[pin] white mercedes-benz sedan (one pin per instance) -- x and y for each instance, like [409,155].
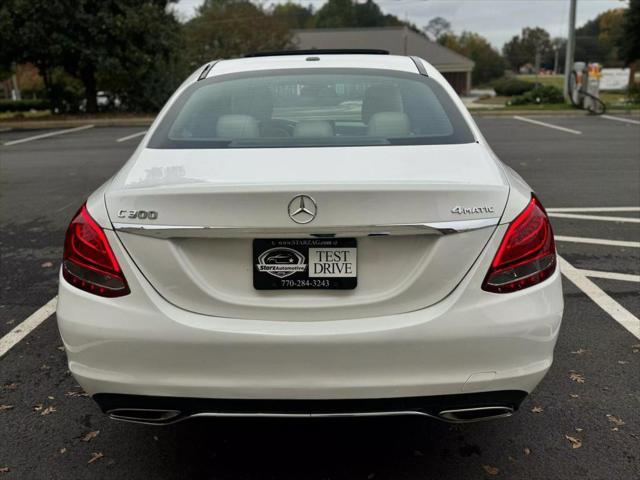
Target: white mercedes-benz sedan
[311,233]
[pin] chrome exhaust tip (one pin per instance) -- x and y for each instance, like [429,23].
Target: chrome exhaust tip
[467,415]
[144,415]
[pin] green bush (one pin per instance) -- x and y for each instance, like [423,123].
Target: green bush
[633,93]
[540,94]
[23,105]
[508,87]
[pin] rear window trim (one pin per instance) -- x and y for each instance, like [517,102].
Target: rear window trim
[160,138]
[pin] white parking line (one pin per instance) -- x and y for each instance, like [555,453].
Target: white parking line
[26,327]
[45,135]
[620,314]
[598,241]
[129,137]
[619,119]
[593,209]
[6,129]
[548,125]
[577,216]
[625,277]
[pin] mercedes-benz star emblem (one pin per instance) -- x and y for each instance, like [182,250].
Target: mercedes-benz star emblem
[302,209]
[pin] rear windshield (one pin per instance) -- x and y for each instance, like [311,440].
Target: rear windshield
[312,108]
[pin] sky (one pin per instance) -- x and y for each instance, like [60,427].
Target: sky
[496,20]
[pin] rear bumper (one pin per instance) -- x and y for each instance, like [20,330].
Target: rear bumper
[452,408]
[472,341]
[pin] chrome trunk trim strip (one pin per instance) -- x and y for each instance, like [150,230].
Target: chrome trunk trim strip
[180,231]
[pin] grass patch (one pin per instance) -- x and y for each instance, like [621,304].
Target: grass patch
[27,115]
[553,80]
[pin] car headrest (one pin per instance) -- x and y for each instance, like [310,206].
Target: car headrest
[313,128]
[380,98]
[257,102]
[237,126]
[389,124]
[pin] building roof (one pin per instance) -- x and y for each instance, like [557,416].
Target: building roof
[397,40]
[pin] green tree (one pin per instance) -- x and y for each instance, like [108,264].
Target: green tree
[91,40]
[335,14]
[345,14]
[437,27]
[233,28]
[368,14]
[531,44]
[629,42]
[598,39]
[489,64]
[293,15]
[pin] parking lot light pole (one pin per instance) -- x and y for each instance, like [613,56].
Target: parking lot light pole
[571,43]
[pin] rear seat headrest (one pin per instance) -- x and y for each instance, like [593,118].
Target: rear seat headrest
[380,98]
[257,102]
[237,126]
[313,128]
[389,124]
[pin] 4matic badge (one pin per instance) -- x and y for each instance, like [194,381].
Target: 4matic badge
[281,262]
[473,210]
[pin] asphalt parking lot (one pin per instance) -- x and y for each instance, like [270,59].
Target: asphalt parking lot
[583,421]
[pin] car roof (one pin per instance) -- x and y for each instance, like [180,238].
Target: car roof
[319,61]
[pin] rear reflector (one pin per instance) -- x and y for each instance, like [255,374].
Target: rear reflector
[527,254]
[88,261]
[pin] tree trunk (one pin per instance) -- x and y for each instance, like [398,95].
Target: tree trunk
[88,77]
[633,66]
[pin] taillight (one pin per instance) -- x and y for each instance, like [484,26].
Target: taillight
[527,254]
[88,261]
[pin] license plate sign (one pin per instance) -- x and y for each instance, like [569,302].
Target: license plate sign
[319,263]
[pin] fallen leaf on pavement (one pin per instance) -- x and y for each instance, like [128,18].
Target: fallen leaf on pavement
[537,409]
[5,407]
[491,470]
[62,451]
[527,451]
[79,393]
[575,442]
[61,348]
[579,429]
[90,436]
[574,395]
[576,377]
[47,265]
[622,362]
[10,386]
[48,410]
[95,456]
[4,470]
[38,407]
[580,351]
[617,421]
